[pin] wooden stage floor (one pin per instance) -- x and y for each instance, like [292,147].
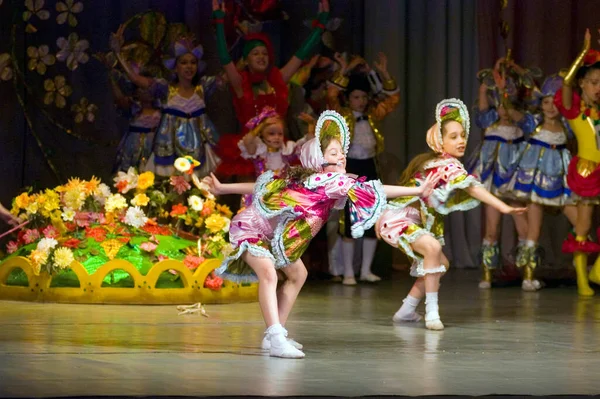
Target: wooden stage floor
[503,341]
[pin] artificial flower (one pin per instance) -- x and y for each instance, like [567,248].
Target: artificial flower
[102,193]
[135,217]
[38,258]
[63,257]
[195,203]
[68,214]
[115,202]
[50,232]
[126,181]
[182,165]
[192,262]
[178,209]
[97,233]
[74,198]
[215,223]
[46,244]
[180,184]
[30,236]
[148,246]
[22,201]
[140,200]
[12,247]
[71,243]
[145,181]
[224,209]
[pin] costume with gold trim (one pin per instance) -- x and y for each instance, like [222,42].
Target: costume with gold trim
[185,129]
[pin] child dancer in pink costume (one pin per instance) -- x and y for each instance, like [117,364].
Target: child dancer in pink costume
[287,213]
[415,225]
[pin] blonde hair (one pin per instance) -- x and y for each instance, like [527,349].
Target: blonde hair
[417,163]
[260,128]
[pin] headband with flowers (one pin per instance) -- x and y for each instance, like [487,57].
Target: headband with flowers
[449,109]
[266,113]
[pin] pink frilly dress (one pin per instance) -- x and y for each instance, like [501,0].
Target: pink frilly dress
[285,215]
[405,219]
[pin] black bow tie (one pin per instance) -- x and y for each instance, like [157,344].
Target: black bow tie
[362,118]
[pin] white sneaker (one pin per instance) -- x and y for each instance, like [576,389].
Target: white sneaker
[286,351]
[410,318]
[435,324]
[266,343]
[371,278]
[349,281]
[531,285]
[485,285]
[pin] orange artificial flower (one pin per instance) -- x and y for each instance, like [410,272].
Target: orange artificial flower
[178,209]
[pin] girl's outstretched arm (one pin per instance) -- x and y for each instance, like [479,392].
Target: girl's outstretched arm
[567,88]
[423,190]
[218,188]
[116,43]
[233,75]
[486,197]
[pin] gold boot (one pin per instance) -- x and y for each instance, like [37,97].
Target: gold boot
[580,262]
[594,275]
[530,284]
[490,259]
[486,278]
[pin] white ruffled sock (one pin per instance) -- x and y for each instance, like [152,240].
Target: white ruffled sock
[407,311]
[280,347]
[432,310]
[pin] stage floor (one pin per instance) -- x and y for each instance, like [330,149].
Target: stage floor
[503,341]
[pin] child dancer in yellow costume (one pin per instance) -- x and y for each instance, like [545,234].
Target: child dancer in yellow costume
[581,107]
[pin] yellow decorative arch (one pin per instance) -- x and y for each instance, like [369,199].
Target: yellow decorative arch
[144,291]
[184,273]
[117,264]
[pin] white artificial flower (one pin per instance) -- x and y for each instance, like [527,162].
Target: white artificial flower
[46,244]
[130,178]
[135,217]
[195,203]
[182,165]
